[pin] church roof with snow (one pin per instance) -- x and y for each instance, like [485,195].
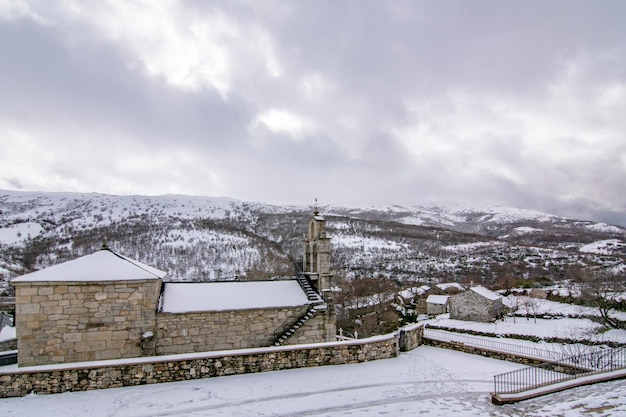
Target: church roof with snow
[233,295]
[103,265]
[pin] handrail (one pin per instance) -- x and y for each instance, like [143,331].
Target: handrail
[598,361]
[446,336]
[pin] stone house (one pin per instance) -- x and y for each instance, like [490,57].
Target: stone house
[538,293]
[437,304]
[476,304]
[107,306]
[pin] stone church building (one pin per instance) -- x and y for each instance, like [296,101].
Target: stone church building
[107,306]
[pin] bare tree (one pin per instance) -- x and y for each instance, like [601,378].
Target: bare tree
[605,291]
[531,305]
[366,305]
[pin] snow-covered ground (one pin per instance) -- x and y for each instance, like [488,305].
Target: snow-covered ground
[7,333]
[566,328]
[427,381]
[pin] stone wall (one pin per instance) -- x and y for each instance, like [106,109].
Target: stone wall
[237,329]
[461,347]
[434,309]
[321,327]
[410,337]
[553,365]
[139,371]
[471,306]
[10,344]
[60,322]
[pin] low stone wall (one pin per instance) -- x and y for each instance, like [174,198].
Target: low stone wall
[494,354]
[511,357]
[561,340]
[410,337]
[10,344]
[128,372]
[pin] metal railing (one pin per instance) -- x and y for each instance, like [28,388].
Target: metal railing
[599,361]
[474,341]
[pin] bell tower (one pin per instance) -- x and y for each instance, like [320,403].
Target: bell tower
[316,262]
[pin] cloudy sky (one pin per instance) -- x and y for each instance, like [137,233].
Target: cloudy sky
[390,102]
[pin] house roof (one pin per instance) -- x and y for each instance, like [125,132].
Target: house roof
[103,265]
[444,286]
[233,295]
[486,293]
[414,291]
[437,299]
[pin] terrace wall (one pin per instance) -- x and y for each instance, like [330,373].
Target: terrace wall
[138,371]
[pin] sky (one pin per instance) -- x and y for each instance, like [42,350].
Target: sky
[520,104]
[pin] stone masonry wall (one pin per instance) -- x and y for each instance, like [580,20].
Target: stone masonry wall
[517,358]
[59,322]
[461,347]
[129,372]
[319,328]
[471,306]
[411,336]
[10,344]
[229,329]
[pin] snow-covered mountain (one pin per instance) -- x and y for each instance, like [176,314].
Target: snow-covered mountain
[208,238]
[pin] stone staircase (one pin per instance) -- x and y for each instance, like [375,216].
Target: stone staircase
[282,337]
[308,289]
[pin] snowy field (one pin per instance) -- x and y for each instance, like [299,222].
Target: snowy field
[563,328]
[427,381]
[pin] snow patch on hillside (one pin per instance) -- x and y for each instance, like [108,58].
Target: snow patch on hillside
[20,232]
[365,242]
[495,214]
[469,247]
[603,247]
[603,227]
[523,230]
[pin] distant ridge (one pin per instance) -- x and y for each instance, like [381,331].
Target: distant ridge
[196,238]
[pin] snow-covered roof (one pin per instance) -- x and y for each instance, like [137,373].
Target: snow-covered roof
[486,293]
[233,295]
[437,299]
[7,333]
[444,286]
[103,265]
[414,291]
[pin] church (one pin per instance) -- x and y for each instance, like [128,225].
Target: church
[106,306]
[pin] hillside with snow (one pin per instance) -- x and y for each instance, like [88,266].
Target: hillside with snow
[209,238]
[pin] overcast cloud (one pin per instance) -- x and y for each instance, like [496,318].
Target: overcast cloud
[388,102]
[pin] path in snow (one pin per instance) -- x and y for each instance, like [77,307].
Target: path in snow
[426,381]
